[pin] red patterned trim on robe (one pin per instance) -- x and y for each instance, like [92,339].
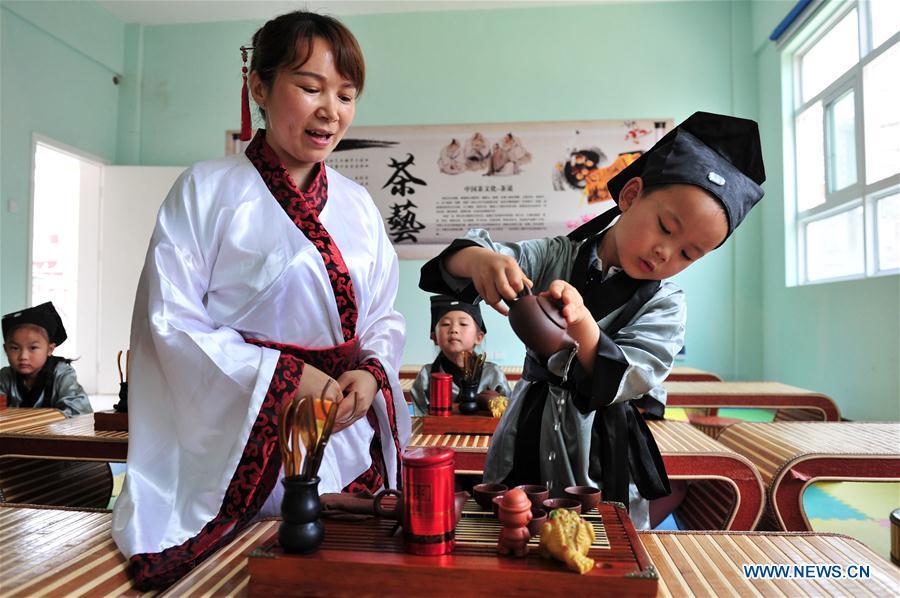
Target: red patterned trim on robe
[303,207]
[373,478]
[374,367]
[250,486]
[334,361]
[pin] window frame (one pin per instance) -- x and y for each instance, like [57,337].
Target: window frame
[854,195]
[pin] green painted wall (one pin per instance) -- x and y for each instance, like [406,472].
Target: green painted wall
[841,338]
[607,61]
[57,61]
[180,92]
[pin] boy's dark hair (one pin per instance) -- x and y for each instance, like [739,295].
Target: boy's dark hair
[288,40]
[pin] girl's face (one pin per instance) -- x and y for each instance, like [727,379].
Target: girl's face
[27,350]
[457,332]
[308,109]
[662,232]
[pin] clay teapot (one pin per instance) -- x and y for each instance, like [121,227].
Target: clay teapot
[539,323]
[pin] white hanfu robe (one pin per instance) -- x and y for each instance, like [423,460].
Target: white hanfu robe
[226,262]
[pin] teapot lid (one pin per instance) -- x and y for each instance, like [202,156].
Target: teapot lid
[553,313]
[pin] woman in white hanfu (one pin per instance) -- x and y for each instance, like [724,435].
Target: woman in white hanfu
[268,274]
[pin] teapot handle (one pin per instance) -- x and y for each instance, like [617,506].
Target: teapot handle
[381,511]
[526,290]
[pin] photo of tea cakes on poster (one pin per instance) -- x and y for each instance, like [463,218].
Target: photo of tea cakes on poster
[517,180]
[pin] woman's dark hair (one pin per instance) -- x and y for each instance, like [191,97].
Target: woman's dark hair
[288,40]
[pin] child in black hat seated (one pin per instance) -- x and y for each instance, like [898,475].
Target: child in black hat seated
[456,327]
[35,377]
[577,417]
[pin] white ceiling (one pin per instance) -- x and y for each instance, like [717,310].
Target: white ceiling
[171,12]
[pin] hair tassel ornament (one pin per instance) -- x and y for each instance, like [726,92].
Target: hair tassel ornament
[245,98]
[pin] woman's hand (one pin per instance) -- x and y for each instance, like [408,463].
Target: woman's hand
[363,384]
[313,382]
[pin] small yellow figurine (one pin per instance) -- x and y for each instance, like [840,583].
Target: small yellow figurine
[567,537]
[498,405]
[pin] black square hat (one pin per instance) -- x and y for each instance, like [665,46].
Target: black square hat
[442,304]
[43,315]
[719,153]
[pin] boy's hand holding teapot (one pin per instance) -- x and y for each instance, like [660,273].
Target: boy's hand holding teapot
[495,276]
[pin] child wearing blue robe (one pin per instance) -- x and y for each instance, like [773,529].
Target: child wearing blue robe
[35,377]
[577,417]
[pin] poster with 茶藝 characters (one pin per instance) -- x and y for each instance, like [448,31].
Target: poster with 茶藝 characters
[517,180]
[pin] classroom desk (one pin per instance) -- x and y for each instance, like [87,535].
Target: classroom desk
[50,552]
[790,401]
[726,493]
[13,419]
[683,373]
[48,434]
[679,373]
[792,455]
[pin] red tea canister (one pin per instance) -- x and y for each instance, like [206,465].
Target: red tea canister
[440,394]
[428,511]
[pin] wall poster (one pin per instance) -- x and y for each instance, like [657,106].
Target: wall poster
[518,180]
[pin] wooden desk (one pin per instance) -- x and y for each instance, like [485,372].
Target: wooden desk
[46,433]
[726,493]
[55,552]
[679,373]
[683,373]
[710,564]
[790,401]
[15,419]
[792,455]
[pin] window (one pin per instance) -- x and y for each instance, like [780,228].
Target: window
[846,141]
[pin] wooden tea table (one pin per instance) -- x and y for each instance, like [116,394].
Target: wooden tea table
[726,490]
[53,552]
[47,433]
[792,455]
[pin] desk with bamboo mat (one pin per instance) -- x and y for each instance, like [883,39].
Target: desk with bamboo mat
[792,455]
[14,419]
[790,402]
[48,434]
[726,491]
[50,552]
[49,459]
[679,373]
